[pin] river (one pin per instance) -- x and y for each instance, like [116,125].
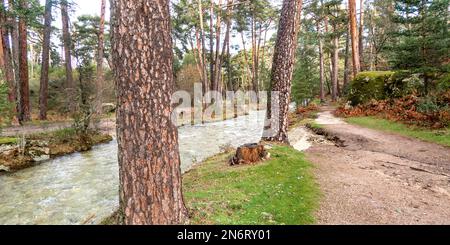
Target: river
[82,188]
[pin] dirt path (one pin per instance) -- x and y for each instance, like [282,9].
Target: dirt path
[380,178]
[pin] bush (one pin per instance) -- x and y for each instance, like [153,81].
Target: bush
[367,86]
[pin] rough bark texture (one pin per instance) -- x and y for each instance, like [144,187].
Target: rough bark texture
[283,66]
[149,161]
[211,46]
[100,56]
[354,36]
[14,25]
[43,90]
[218,57]
[70,85]
[24,90]
[7,64]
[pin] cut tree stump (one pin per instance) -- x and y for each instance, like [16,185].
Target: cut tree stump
[249,153]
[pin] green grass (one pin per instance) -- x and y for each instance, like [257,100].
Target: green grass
[281,190]
[437,136]
[8,140]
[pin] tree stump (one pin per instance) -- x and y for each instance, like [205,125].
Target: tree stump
[249,153]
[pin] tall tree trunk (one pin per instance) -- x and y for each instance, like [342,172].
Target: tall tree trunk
[14,25]
[246,68]
[24,88]
[321,62]
[226,41]
[354,37]
[45,63]
[2,55]
[335,63]
[283,67]
[254,52]
[346,59]
[218,57]
[203,51]
[70,86]
[149,160]
[211,45]
[361,32]
[8,65]
[100,56]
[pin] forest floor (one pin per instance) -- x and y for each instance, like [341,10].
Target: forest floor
[378,177]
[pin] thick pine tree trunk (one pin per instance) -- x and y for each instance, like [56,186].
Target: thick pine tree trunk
[283,67]
[14,31]
[43,90]
[100,56]
[354,37]
[149,160]
[70,85]
[24,88]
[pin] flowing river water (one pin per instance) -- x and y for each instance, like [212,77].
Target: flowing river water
[82,188]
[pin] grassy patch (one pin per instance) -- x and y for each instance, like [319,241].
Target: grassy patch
[279,191]
[441,136]
[8,141]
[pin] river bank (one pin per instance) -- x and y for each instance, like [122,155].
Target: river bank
[26,151]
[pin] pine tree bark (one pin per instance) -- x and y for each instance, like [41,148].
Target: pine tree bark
[149,160]
[24,88]
[67,41]
[335,64]
[321,63]
[45,62]
[100,56]
[217,57]
[14,31]
[205,85]
[283,67]
[346,59]
[8,65]
[211,46]
[360,33]
[354,37]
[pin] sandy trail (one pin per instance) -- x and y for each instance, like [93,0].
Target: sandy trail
[380,178]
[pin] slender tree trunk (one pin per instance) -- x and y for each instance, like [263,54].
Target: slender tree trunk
[70,86]
[283,67]
[346,59]
[100,56]
[254,52]
[246,68]
[203,51]
[226,41]
[217,58]
[14,25]
[335,63]
[2,55]
[354,37]
[197,55]
[211,45]
[43,90]
[8,64]
[321,62]
[149,160]
[361,32]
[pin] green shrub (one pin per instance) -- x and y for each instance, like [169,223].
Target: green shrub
[402,83]
[367,86]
